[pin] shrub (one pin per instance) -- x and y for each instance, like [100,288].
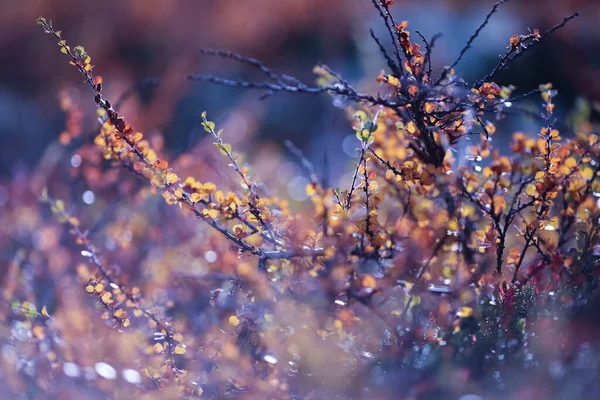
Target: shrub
[444,269]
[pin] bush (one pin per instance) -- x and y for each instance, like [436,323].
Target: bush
[444,269]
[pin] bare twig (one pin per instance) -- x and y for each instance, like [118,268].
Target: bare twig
[519,51]
[470,41]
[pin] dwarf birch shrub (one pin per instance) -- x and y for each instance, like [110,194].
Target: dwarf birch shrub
[445,268]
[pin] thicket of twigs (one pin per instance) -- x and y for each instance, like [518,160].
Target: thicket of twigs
[444,269]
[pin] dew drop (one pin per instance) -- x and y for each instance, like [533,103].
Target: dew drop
[210,256]
[88,197]
[72,370]
[131,376]
[270,359]
[76,161]
[105,370]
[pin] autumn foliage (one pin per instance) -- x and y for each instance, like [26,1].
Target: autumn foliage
[446,267]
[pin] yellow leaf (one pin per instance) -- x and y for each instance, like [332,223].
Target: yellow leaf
[530,190]
[234,321]
[583,214]
[99,287]
[38,332]
[311,189]
[576,183]
[570,162]
[195,197]
[172,177]
[239,230]
[189,181]
[179,349]
[465,312]
[107,297]
[552,224]
[368,281]
[58,207]
[415,300]
[587,173]
[212,213]
[209,187]
[338,325]
[447,272]
[499,203]
[392,80]
[540,176]
[136,137]
[89,289]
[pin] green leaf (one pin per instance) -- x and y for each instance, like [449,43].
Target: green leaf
[364,135]
[224,148]
[360,115]
[209,126]
[79,50]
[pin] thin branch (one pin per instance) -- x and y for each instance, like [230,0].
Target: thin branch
[364,146]
[298,87]
[389,24]
[470,41]
[518,51]
[428,49]
[391,64]
[367,206]
[528,243]
[308,166]
[386,163]
[89,248]
[242,59]
[125,131]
